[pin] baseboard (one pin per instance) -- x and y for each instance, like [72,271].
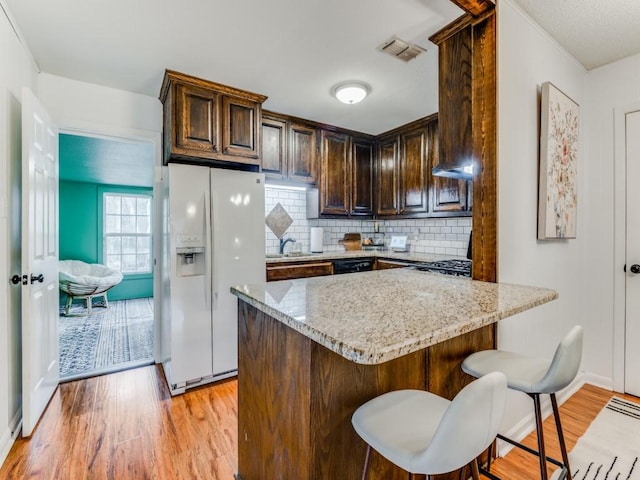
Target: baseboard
[9,436]
[528,424]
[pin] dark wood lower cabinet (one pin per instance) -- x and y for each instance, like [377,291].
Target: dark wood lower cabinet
[296,398]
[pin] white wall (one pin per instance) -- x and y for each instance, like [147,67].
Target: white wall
[17,69]
[614,86]
[527,57]
[80,105]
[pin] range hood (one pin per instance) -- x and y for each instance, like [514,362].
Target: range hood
[460,172]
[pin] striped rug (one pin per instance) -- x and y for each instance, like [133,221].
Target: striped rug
[610,448]
[107,340]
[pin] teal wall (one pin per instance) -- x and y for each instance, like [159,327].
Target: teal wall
[90,166]
[81,232]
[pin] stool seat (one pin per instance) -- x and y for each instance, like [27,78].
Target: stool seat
[427,434]
[524,374]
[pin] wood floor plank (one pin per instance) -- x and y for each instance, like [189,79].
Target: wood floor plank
[127,426]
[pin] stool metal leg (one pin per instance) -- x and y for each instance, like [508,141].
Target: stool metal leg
[543,455]
[563,446]
[367,458]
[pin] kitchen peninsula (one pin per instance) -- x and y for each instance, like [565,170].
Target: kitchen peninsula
[312,350]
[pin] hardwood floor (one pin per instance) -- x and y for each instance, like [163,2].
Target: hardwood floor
[127,426]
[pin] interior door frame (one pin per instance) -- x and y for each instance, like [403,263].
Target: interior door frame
[155,139]
[619,258]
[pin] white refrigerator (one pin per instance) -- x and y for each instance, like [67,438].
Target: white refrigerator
[216,239]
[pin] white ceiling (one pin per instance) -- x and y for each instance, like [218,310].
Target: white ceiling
[293,51]
[595,32]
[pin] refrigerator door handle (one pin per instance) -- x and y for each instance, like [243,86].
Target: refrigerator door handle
[211,263]
[208,287]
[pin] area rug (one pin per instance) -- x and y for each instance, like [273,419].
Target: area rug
[610,448]
[107,340]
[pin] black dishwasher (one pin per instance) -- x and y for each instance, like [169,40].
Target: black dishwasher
[350,265]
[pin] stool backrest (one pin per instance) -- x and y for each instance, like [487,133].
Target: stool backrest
[468,426]
[565,364]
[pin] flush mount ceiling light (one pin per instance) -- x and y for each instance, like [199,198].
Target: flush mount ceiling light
[351,92]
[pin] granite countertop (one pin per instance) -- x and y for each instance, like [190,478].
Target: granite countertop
[406,256]
[373,317]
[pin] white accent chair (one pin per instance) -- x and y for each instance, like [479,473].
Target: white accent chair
[535,376]
[423,433]
[85,281]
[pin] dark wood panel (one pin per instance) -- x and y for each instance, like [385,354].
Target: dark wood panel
[198,111]
[387,264]
[446,377]
[274,148]
[362,177]
[303,154]
[339,387]
[485,183]
[413,172]
[447,194]
[273,398]
[300,270]
[387,177]
[241,135]
[455,100]
[335,173]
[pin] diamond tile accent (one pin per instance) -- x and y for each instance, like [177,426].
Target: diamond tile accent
[278,220]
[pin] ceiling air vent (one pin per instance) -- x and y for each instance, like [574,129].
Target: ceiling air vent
[400,49]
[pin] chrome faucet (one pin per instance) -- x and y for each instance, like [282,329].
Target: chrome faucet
[283,242]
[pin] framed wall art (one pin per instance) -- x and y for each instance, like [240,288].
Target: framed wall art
[557,195]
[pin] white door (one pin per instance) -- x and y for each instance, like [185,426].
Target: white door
[39,260]
[632,287]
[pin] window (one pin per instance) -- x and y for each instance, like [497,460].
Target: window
[127,232]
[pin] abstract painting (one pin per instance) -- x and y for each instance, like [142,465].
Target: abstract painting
[557,195]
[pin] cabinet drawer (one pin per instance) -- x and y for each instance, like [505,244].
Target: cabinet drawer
[303,270]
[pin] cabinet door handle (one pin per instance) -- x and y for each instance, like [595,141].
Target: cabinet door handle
[37,278]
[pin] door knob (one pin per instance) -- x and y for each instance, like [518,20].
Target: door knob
[40,278]
[635,268]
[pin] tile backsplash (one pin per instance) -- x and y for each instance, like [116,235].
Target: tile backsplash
[448,236]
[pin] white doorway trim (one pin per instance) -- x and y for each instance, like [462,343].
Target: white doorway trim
[619,256]
[155,139]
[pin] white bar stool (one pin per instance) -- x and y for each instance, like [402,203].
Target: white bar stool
[535,376]
[427,434]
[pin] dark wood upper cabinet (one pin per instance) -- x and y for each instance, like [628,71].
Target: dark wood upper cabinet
[335,170]
[447,194]
[413,186]
[207,122]
[198,132]
[387,176]
[241,135]
[303,154]
[289,150]
[362,174]
[455,74]
[274,147]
